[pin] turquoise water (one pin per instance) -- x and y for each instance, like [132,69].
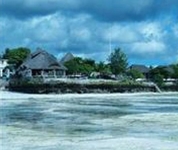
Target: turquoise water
[78,122]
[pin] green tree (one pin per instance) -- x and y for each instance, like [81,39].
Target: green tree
[73,65]
[159,79]
[90,62]
[79,65]
[100,67]
[88,66]
[16,56]
[175,68]
[118,61]
[160,71]
[135,74]
[103,68]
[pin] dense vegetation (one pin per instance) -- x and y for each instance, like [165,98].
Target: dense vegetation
[135,74]
[117,65]
[86,66]
[160,73]
[79,65]
[16,56]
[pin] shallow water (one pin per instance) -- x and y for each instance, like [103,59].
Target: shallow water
[89,122]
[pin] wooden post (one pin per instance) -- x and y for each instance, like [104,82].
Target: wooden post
[42,73]
[64,73]
[54,71]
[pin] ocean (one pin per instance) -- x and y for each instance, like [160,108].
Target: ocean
[140,121]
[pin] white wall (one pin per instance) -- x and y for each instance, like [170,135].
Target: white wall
[3,64]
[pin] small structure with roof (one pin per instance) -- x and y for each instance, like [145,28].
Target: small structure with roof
[69,56]
[168,69]
[141,68]
[41,64]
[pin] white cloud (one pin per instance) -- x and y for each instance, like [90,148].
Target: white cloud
[151,30]
[147,49]
[81,34]
[120,33]
[175,30]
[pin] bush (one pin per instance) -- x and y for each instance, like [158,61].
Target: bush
[158,79]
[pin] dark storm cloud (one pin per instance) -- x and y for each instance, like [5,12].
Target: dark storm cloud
[107,10]
[86,27]
[22,9]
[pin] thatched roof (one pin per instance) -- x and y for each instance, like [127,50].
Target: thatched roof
[140,68]
[167,68]
[41,59]
[69,56]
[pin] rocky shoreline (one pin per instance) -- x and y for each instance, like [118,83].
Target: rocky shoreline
[63,87]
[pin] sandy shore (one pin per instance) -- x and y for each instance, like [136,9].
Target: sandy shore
[16,95]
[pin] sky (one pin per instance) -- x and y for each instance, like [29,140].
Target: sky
[145,30]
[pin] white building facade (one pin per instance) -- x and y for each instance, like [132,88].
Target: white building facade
[3,64]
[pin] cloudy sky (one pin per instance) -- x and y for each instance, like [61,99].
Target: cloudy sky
[146,30]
